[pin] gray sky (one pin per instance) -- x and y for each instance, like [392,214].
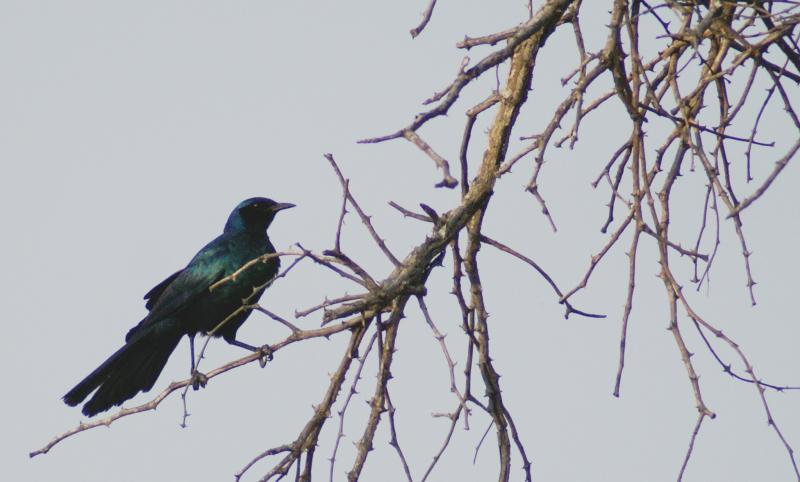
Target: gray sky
[129,130]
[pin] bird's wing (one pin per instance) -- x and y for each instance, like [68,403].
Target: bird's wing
[152,296]
[205,269]
[180,289]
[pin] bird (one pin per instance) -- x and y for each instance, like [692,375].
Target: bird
[195,299]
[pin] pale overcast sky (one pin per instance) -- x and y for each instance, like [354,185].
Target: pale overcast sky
[129,130]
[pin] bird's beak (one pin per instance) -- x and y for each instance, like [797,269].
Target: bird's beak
[282,206]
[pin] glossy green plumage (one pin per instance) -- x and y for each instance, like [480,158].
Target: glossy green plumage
[183,304]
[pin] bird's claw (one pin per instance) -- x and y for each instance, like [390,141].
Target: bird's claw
[264,355]
[198,380]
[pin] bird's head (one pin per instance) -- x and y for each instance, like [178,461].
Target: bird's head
[254,214]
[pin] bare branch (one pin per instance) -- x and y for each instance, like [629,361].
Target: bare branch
[426,17]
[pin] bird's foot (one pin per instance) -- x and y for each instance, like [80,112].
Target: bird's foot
[198,380]
[264,355]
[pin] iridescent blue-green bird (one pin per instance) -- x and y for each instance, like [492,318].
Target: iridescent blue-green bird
[185,304]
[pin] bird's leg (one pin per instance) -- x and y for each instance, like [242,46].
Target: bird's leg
[264,352]
[191,350]
[198,379]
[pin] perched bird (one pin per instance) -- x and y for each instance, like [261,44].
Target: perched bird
[186,304]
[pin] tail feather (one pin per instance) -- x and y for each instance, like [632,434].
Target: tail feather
[132,369]
[94,379]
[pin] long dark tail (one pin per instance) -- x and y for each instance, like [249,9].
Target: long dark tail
[132,369]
